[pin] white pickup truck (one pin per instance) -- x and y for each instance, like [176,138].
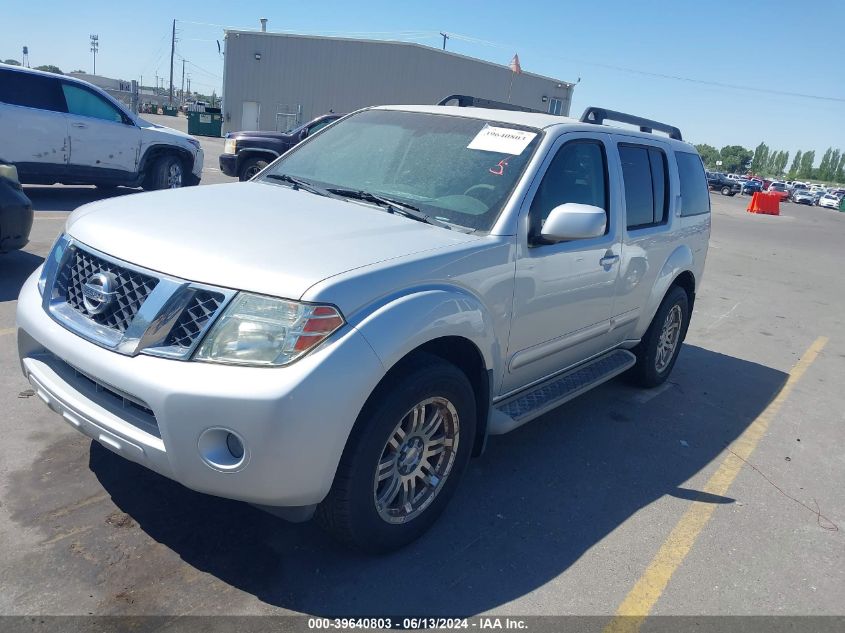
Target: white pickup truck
[60,129]
[342,333]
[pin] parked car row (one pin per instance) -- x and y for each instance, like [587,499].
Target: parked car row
[795,191]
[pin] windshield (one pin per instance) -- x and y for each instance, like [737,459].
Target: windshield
[455,169]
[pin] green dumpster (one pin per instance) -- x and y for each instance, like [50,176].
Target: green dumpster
[170,110]
[842,204]
[208,123]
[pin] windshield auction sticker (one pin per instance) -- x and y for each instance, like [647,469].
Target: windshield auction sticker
[502,140]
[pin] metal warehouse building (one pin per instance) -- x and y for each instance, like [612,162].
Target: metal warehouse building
[273,81]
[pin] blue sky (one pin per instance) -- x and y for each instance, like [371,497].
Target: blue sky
[611,45]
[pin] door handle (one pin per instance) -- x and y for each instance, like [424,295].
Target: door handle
[79,125]
[609,260]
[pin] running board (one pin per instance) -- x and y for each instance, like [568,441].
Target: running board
[524,407]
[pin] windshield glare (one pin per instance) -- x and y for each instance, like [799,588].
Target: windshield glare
[417,158]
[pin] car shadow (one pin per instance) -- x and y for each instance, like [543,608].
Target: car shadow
[61,198]
[528,509]
[15,267]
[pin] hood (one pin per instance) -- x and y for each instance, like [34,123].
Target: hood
[154,128]
[253,236]
[274,135]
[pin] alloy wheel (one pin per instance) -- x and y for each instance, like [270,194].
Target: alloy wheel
[670,335]
[416,460]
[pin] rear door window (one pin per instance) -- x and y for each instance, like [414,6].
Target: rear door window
[31,91]
[646,180]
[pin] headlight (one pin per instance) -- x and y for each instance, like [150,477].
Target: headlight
[52,261]
[230,146]
[259,330]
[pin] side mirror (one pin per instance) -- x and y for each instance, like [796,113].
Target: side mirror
[303,134]
[574,221]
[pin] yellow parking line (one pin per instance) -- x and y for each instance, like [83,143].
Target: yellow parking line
[7,330]
[641,599]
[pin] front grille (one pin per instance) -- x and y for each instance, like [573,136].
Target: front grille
[132,288]
[194,318]
[146,421]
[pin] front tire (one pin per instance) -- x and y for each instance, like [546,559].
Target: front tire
[404,458]
[657,352]
[250,167]
[726,191]
[167,172]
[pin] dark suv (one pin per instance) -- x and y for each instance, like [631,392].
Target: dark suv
[717,181]
[247,153]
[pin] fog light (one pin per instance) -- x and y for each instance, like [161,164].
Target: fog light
[222,449]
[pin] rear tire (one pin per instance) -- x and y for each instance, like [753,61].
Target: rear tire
[390,447]
[167,172]
[250,167]
[657,352]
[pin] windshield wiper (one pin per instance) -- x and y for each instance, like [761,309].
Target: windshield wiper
[299,183]
[391,205]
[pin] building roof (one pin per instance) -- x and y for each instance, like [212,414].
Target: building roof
[428,49]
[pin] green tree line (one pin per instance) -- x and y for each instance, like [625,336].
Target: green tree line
[763,161]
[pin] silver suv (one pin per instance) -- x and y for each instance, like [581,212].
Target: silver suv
[343,332]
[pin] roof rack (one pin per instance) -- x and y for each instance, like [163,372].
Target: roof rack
[599,115]
[466,101]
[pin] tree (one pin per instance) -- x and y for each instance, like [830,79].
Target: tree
[735,158]
[839,176]
[824,171]
[50,69]
[761,158]
[772,164]
[783,159]
[12,62]
[796,166]
[709,155]
[806,168]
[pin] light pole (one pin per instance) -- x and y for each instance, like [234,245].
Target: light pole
[95,46]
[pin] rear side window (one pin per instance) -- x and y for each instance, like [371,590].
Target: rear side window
[31,91]
[85,103]
[646,181]
[695,198]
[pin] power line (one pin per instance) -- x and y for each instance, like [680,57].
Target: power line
[647,73]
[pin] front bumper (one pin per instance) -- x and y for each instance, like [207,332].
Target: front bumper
[229,164]
[294,421]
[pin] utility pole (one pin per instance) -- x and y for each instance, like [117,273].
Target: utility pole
[95,46]
[445,37]
[172,52]
[182,99]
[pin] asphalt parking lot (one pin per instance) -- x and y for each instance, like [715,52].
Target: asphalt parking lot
[718,493]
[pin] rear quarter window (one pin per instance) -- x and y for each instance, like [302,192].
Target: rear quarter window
[31,91]
[695,198]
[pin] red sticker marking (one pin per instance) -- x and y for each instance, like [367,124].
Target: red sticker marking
[499,169]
